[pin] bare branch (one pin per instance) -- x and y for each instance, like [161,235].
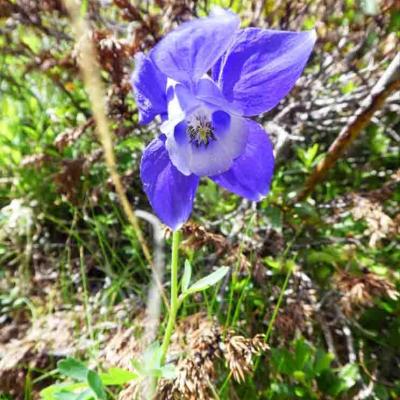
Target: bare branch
[388,84]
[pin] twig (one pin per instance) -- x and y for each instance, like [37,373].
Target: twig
[91,76]
[365,392]
[371,375]
[388,84]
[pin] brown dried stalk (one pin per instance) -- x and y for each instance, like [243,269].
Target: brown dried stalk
[94,87]
[388,84]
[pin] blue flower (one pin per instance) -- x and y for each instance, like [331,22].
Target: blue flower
[205,79]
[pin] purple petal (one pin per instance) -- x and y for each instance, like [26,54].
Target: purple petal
[262,66]
[218,155]
[182,102]
[251,173]
[171,194]
[208,91]
[188,52]
[149,86]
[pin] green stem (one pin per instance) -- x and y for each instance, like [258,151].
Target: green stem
[282,292]
[278,304]
[235,273]
[275,312]
[174,295]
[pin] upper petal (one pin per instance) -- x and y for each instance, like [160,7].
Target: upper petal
[189,51]
[149,85]
[209,92]
[251,173]
[262,66]
[171,194]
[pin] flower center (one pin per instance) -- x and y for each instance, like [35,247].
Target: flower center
[200,129]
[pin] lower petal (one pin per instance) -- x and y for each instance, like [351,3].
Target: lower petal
[170,193]
[215,157]
[251,173]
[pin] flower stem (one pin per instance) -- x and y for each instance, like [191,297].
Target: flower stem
[174,295]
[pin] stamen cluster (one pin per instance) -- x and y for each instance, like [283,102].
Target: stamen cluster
[200,131]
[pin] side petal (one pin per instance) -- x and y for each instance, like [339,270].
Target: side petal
[149,86]
[262,66]
[170,193]
[251,173]
[189,51]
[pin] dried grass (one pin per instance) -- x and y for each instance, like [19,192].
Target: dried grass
[361,291]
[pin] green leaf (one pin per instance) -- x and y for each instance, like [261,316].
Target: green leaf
[312,152]
[49,392]
[283,361]
[209,280]
[117,376]
[322,361]
[95,383]
[274,215]
[348,375]
[84,7]
[299,376]
[302,353]
[139,367]
[275,264]
[187,275]
[307,156]
[85,395]
[73,369]
[299,391]
[342,382]
[66,395]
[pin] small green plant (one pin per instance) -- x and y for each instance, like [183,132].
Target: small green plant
[83,383]
[308,157]
[307,372]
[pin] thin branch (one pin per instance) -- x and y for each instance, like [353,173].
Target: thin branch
[388,84]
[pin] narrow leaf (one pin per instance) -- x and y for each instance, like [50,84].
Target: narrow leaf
[208,281]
